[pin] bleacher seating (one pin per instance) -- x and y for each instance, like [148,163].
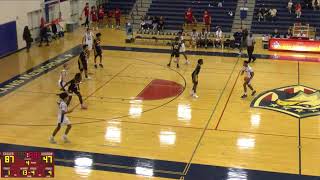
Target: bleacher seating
[173,12]
[284,19]
[124,5]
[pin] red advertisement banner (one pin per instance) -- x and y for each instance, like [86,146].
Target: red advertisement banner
[298,45]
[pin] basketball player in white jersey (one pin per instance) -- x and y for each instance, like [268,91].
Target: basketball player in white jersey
[63,77]
[62,118]
[88,40]
[182,49]
[249,73]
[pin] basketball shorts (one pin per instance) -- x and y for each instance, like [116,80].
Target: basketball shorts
[194,79]
[249,82]
[175,54]
[90,45]
[63,120]
[98,52]
[182,48]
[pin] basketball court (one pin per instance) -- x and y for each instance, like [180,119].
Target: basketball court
[141,122]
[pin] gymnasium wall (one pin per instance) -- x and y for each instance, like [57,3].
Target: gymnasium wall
[16,10]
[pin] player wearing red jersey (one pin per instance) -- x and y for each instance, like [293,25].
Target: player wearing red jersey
[100,16]
[189,16]
[110,18]
[117,16]
[94,17]
[207,20]
[86,12]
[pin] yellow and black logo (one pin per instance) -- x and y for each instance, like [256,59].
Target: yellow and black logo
[298,101]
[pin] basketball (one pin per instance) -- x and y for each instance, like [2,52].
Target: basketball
[246,78]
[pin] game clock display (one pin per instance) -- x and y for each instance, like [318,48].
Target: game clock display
[27,164]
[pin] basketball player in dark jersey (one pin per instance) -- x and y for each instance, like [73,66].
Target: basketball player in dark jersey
[194,76]
[175,51]
[73,87]
[83,61]
[97,50]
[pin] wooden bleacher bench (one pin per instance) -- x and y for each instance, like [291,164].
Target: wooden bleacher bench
[165,39]
[197,26]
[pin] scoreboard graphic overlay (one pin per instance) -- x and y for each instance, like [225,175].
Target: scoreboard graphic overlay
[27,164]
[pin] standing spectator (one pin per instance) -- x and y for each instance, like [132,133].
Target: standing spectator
[250,47]
[189,18]
[86,12]
[218,38]
[161,24]
[275,34]
[238,40]
[290,6]
[110,18]
[117,15]
[245,34]
[207,20]
[43,33]
[298,10]
[203,38]
[94,18]
[100,16]
[27,37]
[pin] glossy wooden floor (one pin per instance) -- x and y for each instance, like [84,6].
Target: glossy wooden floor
[217,129]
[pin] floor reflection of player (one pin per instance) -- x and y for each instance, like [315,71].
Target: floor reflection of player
[175,52]
[62,118]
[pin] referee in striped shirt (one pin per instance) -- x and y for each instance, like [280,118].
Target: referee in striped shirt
[250,48]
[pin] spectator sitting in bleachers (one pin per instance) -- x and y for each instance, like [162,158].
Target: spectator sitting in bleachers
[237,40]
[273,14]
[207,20]
[260,14]
[288,34]
[155,21]
[146,23]
[189,18]
[298,10]
[218,38]
[301,34]
[275,34]
[315,4]
[203,38]
[161,24]
[266,13]
[194,39]
[290,6]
